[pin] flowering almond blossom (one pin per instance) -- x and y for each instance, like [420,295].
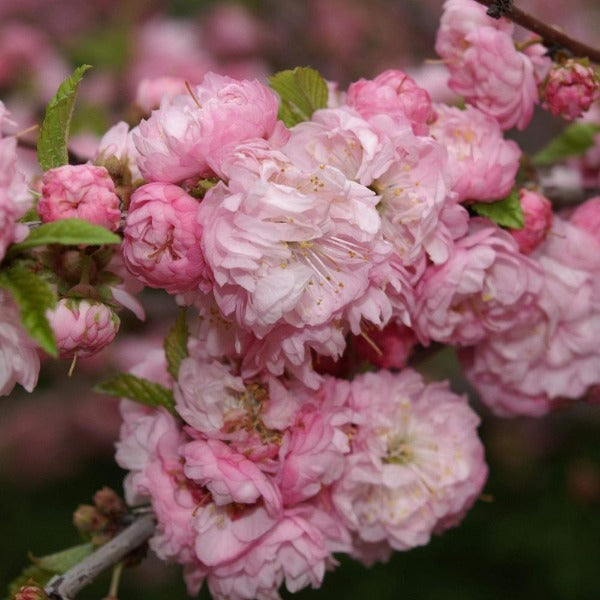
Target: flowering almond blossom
[482,163]
[553,355]
[19,361]
[82,191]
[486,286]
[179,139]
[416,464]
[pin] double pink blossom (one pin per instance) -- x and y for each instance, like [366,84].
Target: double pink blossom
[416,465]
[191,134]
[394,94]
[80,191]
[19,361]
[483,164]
[161,244]
[487,286]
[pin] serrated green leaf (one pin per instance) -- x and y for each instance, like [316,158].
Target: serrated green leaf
[141,390]
[54,133]
[67,232]
[302,91]
[506,213]
[175,344]
[34,297]
[574,140]
[62,561]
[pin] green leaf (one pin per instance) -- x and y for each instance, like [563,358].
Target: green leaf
[68,232]
[506,213]
[62,561]
[141,390]
[54,133]
[34,297]
[175,344]
[45,567]
[574,140]
[302,91]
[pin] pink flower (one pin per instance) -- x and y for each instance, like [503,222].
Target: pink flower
[287,349]
[286,246]
[341,138]
[190,137]
[554,354]
[80,191]
[312,452]
[15,198]
[571,89]
[296,551]
[161,245]
[205,393]
[417,464]
[19,361]
[395,94]
[229,476]
[482,162]
[494,77]
[116,151]
[537,211]
[150,92]
[486,286]
[459,19]
[587,217]
[414,192]
[388,348]
[82,327]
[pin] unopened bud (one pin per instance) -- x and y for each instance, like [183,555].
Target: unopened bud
[570,89]
[31,591]
[88,519]
[109,502]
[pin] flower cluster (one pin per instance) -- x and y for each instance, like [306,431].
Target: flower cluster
[319,242]
[258,482]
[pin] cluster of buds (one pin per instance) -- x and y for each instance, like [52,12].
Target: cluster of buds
[101,521]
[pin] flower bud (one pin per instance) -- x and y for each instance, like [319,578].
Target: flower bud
[537,211]
[108,502]
[82,327]
[88,519]
[570,89]
[31,591]
[80,191]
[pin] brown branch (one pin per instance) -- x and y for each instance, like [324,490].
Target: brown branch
[66,586]
[552,37]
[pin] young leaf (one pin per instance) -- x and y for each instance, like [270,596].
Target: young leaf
[30,573]
[141,390]
[62,561]
[68,232]
[54,133]
[34,297]
[574,140]
[45,567]
[302,91]
[175,344]
[506,213]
